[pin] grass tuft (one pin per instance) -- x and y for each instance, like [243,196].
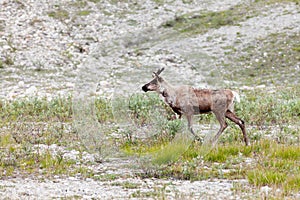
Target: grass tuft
[172,151]
[260,177]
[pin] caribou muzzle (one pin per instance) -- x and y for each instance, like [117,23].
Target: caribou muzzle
[145,88]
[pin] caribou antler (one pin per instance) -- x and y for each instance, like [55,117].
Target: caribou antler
[158,71]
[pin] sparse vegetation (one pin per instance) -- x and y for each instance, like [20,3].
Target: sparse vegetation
[84,12]
[274,108]
[272,161]
[37,134]
[269,62]
[200,22]
[7,61]
[59,14]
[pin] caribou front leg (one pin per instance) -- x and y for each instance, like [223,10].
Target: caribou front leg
[221,118]
[190,120]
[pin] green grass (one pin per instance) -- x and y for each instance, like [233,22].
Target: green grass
[262,178]
[275,165]
[94,1]
[223,153]
[59,14]
[84,12]
[200,22]
[26,122]
[106,177]
[25,109]
[171,152]
[278,1]
[129,185]
[257,107]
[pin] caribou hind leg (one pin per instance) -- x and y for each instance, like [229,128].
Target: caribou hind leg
[230,115]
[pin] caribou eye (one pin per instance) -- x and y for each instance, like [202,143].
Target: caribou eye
[164,94]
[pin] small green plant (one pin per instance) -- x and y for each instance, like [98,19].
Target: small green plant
[173,126]
[5,140]
[276,167]
[8,60]
[103,110]
[129,185]
[50,164]
[59,14]
[106,177]
[94,1]
[84,12]
[286,153]
[144,107]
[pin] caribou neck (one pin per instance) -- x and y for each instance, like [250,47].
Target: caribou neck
[168,92]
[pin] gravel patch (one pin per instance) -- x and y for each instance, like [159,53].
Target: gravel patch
[129,188]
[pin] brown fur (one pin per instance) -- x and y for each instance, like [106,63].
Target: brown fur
[188,101]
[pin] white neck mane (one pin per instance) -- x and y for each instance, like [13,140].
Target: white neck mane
[169,92]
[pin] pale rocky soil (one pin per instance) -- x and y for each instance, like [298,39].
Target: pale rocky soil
[117,180]
[50,56]
[46,56]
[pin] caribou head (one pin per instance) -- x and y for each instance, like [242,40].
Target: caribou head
[154,84]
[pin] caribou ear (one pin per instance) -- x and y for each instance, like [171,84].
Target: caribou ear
[159,78]
[155,74]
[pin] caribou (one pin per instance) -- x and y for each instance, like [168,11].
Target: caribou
[188,101]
